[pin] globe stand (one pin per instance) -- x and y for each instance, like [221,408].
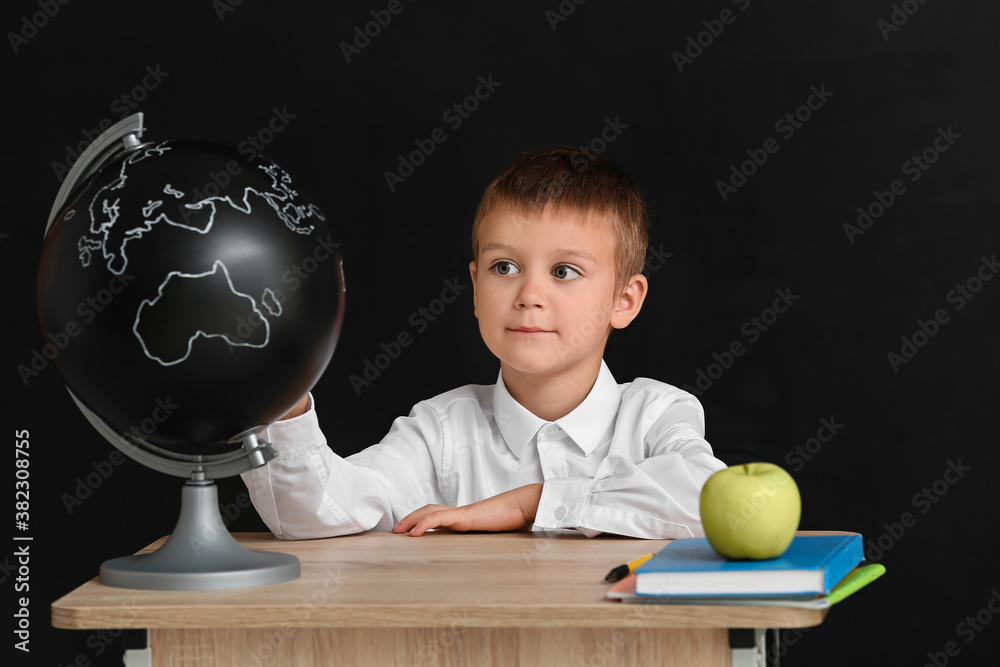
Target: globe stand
[200,554]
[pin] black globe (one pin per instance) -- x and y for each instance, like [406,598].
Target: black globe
[193,295]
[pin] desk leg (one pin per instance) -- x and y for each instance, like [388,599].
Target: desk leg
[749,647]
[139,657]
[440,647]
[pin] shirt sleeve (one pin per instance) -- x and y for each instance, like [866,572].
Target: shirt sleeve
[649,484]
[308,491]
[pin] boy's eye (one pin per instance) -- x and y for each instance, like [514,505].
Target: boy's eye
[504,268]
[564,272]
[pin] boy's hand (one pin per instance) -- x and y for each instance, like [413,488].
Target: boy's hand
[300,408]
[511,510]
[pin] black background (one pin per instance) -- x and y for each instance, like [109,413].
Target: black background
[225,69]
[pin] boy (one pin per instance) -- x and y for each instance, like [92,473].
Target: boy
[559,242]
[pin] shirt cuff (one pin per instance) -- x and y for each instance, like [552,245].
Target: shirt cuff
[562,503]
[291,437]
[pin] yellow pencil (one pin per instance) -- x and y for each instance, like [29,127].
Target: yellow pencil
[628,568]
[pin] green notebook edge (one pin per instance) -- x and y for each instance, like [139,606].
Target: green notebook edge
[858,578]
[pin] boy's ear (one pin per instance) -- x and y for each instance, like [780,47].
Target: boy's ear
[630,301]
[475,301]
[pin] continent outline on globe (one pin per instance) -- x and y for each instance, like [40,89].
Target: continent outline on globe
[235,341]
[103,224]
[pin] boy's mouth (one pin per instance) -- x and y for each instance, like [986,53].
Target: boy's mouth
[529,330]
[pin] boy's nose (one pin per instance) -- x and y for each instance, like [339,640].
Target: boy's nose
[531,293]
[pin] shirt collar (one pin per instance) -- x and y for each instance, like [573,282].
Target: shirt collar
[585,425]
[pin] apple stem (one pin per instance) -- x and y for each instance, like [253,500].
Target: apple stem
[746,468]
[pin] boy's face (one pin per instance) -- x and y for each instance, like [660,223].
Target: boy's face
[544,292]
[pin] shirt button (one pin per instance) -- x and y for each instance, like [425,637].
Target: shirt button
[560,512]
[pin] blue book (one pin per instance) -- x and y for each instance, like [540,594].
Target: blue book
[812,565]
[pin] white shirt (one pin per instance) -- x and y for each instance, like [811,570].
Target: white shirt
[630,459]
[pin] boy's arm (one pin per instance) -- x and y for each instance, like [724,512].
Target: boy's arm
[650,482]
[308,491]
[511,510]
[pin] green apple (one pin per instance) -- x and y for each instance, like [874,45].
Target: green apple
[750,511]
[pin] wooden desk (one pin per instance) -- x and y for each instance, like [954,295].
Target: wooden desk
[442,599]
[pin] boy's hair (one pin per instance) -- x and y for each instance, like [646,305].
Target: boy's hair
[573,180]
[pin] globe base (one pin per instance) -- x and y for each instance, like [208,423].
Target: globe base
[200,554]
